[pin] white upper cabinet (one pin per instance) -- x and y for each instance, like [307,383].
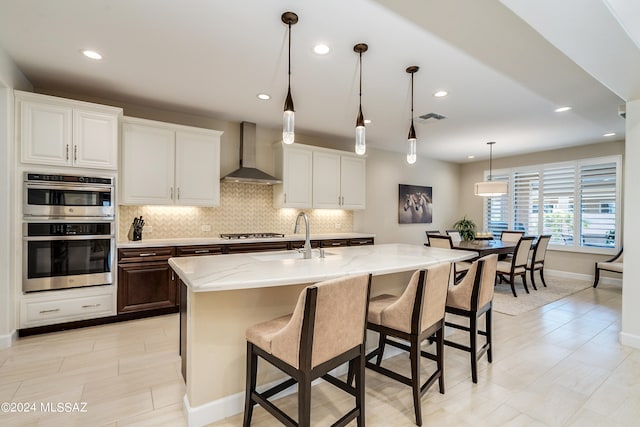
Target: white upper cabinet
[167,164]
[293,166]
[320,178]
[338,181]
[61,132]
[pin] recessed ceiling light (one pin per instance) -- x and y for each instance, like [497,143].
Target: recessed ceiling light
[609,134]
[441,93]
[91,54]
[321,49]
[471,157]
[562,109]
[367,121]
[263,96]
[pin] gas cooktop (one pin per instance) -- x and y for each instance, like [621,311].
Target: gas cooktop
[250,235]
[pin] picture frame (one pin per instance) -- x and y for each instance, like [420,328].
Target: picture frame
[415,204]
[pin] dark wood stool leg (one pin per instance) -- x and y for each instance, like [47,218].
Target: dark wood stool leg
[473,346]
[252,369]
[359,363]
[440,357]
[414,355]
[304,400]
[487,319]
[381,342]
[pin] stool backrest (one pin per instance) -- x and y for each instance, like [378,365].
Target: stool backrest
[440,242]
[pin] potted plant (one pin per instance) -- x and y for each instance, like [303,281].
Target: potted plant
[466,227]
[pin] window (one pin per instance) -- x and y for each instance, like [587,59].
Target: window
[576,202]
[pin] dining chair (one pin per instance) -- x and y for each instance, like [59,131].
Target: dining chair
[471,299]
[614,264]
[536,262]
[517,266]
[446,242]
[326,329]
[431,233]
[414,316]
[511,236]
[455,235]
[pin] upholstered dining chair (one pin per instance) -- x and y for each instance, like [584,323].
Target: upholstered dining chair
[471,299]
[517,265]
[431,233]
[614,264]
[415,316]
[511,236]
[326,329]
[455,235]
[446,242]
[536,262]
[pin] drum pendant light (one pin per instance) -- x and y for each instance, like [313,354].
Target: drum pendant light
[288,118]
[490,188]
[361,143]
[411,139]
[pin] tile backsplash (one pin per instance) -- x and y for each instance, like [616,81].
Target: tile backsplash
[243,208]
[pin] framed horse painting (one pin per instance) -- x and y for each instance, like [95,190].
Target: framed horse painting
[414,204]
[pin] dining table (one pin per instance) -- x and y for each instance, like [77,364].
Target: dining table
[486,247]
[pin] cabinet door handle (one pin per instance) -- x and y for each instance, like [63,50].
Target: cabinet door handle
[67,156]
[171,190]
[49,311]
[285,197]
[335,244]
[173,275]
[75,153]
[91,306]
[148,254]
[178,193]
[202,251]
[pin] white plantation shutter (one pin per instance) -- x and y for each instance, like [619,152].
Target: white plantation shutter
[577,202]
[526,209]
[558,202]
[598,204]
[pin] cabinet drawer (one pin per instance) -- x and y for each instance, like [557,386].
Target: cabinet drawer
[362,241]
[49,312]
[199,250]
[145,254]
[257,247]
[334,243]
[299,244]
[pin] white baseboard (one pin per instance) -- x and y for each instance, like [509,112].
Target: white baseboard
[630,340]
[234,404]
[7,341]
[579,276]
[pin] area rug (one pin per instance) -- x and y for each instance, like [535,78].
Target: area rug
[557,287]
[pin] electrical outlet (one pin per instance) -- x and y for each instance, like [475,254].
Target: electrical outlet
[338,226]
[205,227]
[147,229]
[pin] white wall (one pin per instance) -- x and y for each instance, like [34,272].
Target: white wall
[385,170]
[10,77]
[630,333]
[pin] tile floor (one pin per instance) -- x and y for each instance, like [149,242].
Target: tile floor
[560,365]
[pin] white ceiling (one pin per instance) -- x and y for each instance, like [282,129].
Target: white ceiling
[211,57]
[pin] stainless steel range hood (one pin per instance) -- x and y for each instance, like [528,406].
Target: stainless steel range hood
[248,173]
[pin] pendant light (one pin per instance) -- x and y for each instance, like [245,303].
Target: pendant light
[411,139]
[361,143]
[288,118]
[491,188]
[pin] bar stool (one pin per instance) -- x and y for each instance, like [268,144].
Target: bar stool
[472,298]
[326,329]
[417,315]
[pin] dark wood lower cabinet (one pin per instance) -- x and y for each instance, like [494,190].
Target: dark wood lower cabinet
[145,280]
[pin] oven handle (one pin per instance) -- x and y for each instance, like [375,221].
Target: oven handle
[58,238]
[66,186]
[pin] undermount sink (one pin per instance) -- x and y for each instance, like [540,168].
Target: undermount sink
[288,255]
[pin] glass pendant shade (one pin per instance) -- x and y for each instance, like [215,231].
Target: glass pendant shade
[411,151]
[361,143]
[288,122]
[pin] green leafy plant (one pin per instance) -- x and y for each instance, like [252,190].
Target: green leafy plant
[466,227]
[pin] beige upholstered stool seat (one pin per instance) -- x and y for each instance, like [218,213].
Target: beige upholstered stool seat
[326,329]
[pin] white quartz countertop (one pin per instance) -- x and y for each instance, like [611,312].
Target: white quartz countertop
[265,269]
[148,243]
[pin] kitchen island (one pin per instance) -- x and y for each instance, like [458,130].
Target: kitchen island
[225,294]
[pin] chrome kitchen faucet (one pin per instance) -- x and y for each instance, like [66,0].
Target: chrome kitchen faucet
[307,243]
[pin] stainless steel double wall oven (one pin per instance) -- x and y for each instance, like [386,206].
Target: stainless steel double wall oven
[68,231]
